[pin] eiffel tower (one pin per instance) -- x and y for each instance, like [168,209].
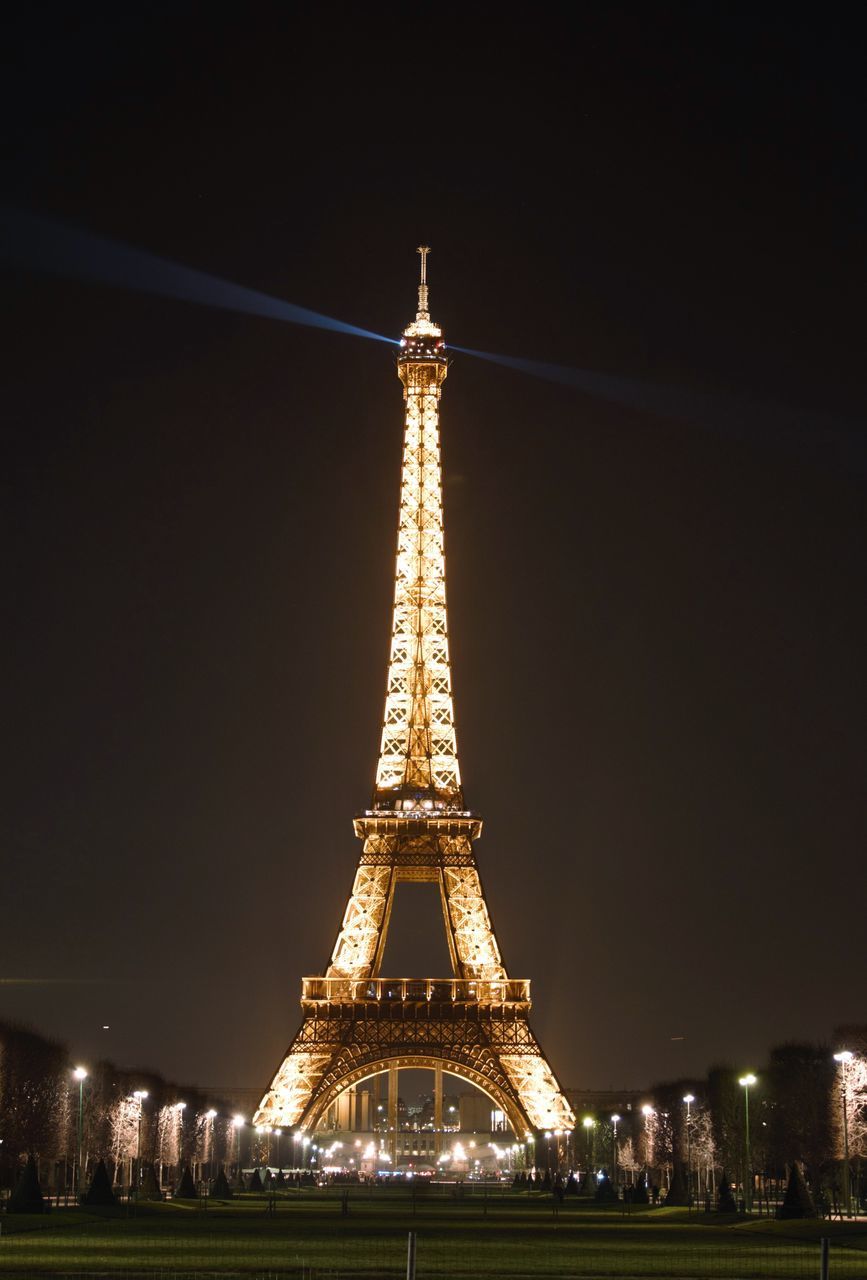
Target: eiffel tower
[356,1023]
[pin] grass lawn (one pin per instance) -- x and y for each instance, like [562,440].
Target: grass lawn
[509,1234]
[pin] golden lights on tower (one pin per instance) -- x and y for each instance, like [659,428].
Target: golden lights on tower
[475,1023]
[418,760]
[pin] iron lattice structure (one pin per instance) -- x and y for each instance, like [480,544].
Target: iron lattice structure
[475,1024]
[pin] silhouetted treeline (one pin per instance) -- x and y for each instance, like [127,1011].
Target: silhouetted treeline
[724,1141]
[44,1109]
[787,1125]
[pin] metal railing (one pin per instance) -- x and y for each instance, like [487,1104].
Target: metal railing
[454,990]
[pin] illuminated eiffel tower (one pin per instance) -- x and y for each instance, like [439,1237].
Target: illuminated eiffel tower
[356,1023]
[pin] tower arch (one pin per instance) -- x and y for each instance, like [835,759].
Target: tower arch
[497,1090]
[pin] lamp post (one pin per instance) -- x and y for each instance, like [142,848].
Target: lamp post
[80,1075]
[139,1095]
[208,1152]
[180,1108]
[688,1098]
[238,1124]
[647,1111]
[590,1130]
[746,1081]
[844,1058]
[614,1122]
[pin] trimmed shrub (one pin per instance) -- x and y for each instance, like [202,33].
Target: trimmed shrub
[220,1189]
[797,1202]
[27,1196]
[186,1188]
[725,1201]
[678,1192]
[99,1192]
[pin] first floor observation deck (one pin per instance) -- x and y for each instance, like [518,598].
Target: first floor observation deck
[452,993]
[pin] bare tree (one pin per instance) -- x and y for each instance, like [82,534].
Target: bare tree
[627,1158]
[801,1081]
[726,1101]
[852,1084]
[33,1083]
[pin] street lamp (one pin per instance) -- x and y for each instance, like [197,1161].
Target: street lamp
[238,1123]
[208,1152]
[844,1057]
[614,1121]
[647,1111]
[80,1075]
[590,1125]
[746,1081]
[688,1098]
[139,1095]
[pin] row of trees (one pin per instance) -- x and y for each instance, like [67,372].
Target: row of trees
[805,1108]
[125,1117]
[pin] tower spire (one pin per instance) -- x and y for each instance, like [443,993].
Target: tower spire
[423,312]
[418,759]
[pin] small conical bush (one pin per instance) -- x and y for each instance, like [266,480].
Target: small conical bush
[639,1191]
[27,1196]
[797,1202]
[186,1188]
[220,1189]
[99,1192]
[149,1188]
[725,1201]
[678,1192]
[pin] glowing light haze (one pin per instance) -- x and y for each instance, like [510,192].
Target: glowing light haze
[34,243]
[773,424]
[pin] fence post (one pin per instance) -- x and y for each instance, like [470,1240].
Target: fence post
[410,1256]
[824,1264]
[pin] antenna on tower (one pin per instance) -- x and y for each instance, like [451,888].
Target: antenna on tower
[423,312]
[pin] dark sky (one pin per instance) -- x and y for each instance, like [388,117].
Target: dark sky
[658,622]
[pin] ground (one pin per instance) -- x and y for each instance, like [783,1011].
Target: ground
[500,1233]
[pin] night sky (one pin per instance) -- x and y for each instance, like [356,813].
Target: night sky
[657,616]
